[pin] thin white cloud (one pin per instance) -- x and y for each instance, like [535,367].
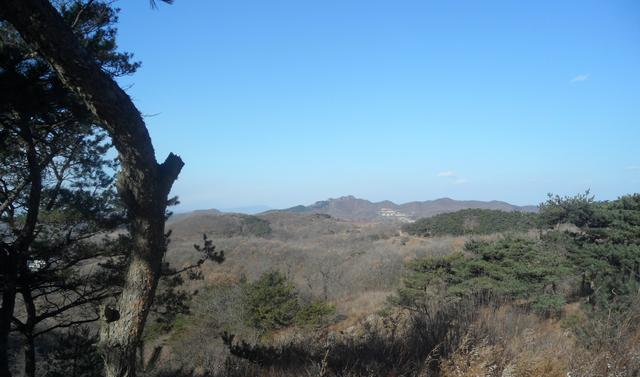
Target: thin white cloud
[580,78]
[453,177]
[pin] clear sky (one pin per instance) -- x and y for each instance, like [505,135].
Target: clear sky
[281,103]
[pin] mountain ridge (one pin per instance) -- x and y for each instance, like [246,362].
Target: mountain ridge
[351,208]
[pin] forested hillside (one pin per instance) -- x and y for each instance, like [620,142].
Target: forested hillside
[472,221]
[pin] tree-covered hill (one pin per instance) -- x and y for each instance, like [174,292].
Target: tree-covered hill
[472,221]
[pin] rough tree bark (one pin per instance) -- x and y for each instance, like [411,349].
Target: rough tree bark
[143,183]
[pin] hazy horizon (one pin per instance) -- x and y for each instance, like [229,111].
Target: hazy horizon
[250,207]
[286,103]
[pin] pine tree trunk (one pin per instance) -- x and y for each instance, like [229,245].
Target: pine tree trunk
[29,357]
[16,256]
[6,314]
[29,346]
[143,183]
[122,328]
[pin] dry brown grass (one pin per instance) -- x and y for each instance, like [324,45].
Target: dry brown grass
[611,347]
[508,343]
[359,307]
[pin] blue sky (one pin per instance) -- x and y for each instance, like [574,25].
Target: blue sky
[288,102]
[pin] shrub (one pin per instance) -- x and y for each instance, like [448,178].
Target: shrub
[271,302]
[577,210]
[548,305]
[605,252]
[315,314]
[511,268]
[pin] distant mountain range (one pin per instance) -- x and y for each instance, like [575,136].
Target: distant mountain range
[352,208]
[247,210]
